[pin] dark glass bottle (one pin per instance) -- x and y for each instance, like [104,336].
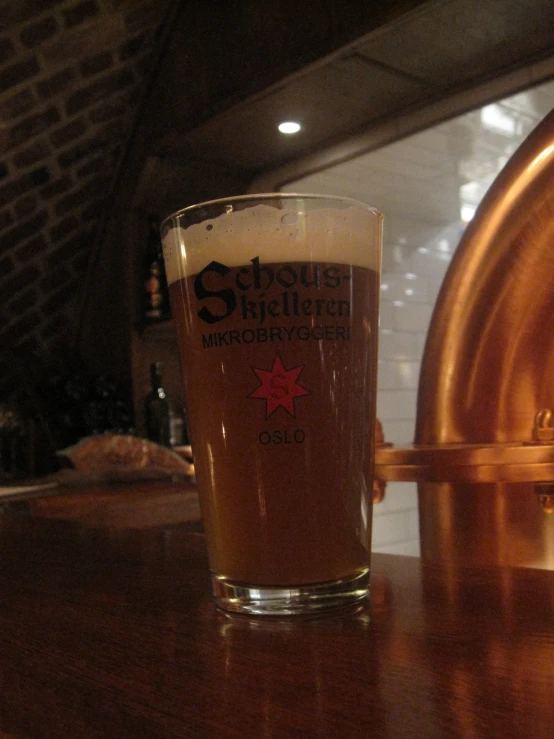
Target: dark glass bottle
[155,289]
[157,409]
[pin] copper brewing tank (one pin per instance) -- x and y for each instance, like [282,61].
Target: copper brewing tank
[483,458]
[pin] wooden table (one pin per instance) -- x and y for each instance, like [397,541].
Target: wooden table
[111,632]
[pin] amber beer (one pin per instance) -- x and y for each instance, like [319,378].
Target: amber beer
[277,343]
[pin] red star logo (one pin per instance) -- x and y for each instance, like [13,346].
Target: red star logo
[278,387]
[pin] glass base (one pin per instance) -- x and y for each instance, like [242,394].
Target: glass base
[290,600]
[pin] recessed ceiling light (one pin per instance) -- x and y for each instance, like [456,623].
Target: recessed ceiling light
[289,127]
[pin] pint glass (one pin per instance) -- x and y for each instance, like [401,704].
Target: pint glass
[275,299]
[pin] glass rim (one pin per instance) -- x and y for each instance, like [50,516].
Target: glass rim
[271,196]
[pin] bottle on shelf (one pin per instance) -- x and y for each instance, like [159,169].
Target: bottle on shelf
[155,290]
[157,409]
[179,431]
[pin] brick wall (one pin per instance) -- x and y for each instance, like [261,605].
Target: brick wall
[71,75]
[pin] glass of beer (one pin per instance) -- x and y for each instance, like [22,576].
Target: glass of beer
[276,300]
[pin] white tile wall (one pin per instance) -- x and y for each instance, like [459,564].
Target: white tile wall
[396,521]
[416,255]
[421,184]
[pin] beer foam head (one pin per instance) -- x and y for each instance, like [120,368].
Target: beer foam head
[348,235]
